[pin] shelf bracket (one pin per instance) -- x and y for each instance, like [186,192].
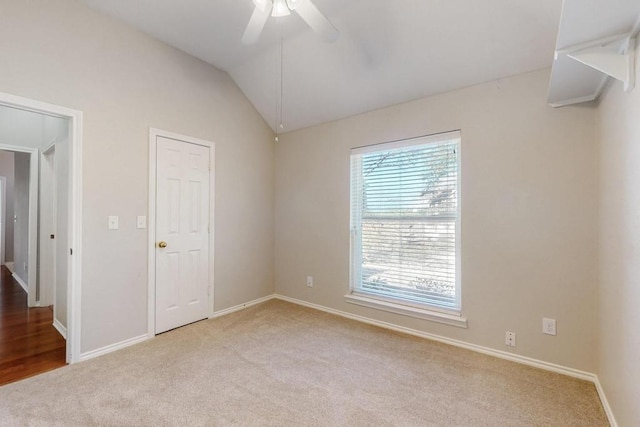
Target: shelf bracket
[615,58]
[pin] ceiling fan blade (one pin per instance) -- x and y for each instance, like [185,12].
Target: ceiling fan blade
[256,23]
[316,20]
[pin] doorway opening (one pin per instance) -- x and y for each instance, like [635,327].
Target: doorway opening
[19,168]
[51,152]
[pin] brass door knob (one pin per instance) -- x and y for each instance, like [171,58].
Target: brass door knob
[162,244]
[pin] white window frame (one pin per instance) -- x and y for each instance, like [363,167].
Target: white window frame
[425,311]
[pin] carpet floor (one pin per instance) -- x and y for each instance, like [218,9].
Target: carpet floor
[280,364]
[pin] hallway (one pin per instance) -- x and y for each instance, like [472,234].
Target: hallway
[29,344]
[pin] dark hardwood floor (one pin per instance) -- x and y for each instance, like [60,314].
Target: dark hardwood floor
[29,344]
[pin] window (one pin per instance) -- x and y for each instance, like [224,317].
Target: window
[405,224]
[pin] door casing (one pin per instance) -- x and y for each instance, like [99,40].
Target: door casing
[48,213]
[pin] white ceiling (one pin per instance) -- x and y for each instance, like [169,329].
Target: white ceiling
[389,51]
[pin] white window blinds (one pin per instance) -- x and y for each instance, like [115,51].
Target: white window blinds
[405,221]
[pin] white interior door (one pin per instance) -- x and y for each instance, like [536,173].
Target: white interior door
[182,233]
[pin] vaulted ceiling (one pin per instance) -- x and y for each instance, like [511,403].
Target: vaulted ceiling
[389,51]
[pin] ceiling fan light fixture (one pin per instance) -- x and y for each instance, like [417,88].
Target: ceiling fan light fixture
[292,4]
[262,4]
[280,9]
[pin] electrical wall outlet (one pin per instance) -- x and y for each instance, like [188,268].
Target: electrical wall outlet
[510,339]
[549,326]
[310,281]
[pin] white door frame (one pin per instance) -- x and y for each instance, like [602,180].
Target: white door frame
[47,248]
[153,156]
[74,258]
[32,243]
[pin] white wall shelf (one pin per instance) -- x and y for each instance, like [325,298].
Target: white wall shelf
[596,41]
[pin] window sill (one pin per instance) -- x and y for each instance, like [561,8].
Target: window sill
[405,310]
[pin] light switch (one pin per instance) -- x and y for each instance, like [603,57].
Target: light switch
[113,222]
[142,222]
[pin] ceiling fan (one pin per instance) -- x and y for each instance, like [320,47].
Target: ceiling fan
[279,8]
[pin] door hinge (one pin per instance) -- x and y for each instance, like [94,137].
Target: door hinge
[70,251]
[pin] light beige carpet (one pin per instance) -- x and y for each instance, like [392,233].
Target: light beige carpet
[280,364]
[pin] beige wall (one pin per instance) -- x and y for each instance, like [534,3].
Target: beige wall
[125,82]
[529,199]
[619,291]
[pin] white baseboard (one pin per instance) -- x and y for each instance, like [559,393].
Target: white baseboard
[136,340]
[605,403]
[575,373]
[9,265]
[20,282]
[242,306]
[113,347]
[60,328]
[473,347]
